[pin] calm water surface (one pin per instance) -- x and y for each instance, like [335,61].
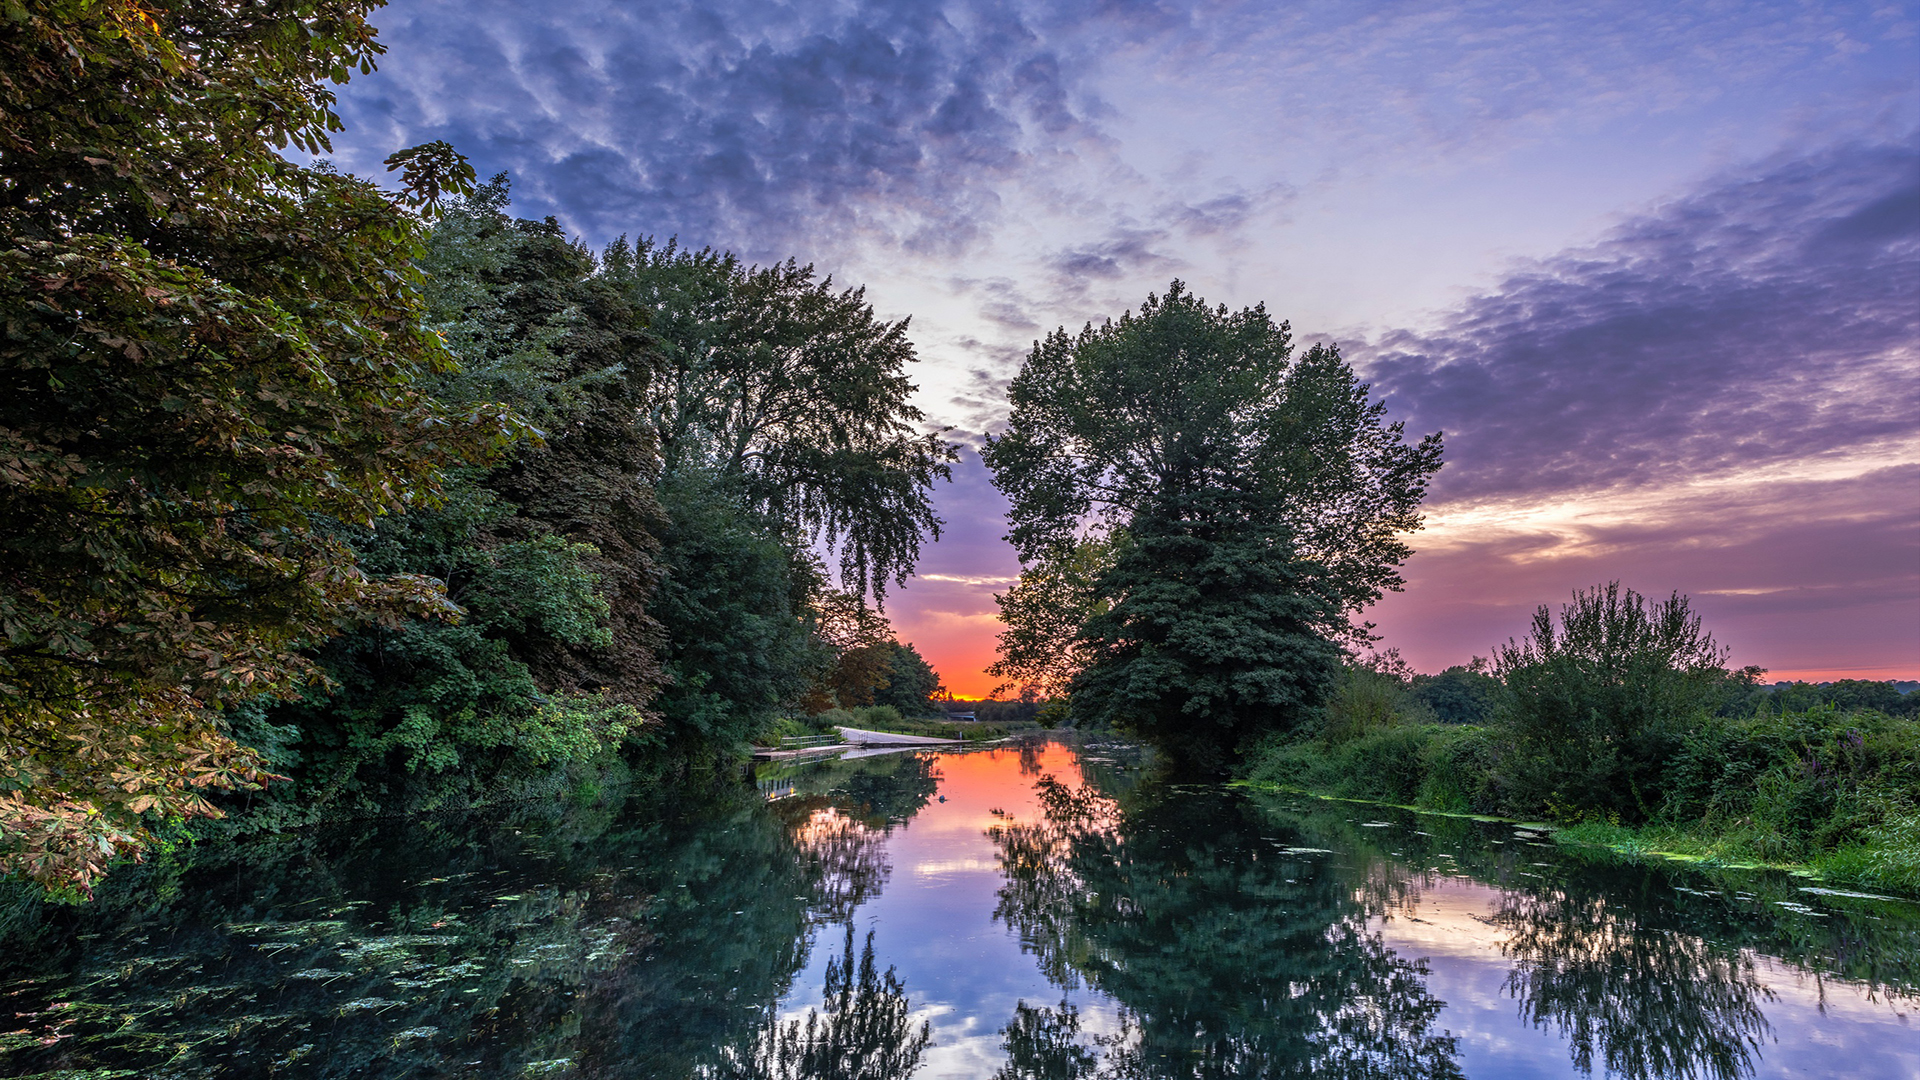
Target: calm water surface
[1038,911]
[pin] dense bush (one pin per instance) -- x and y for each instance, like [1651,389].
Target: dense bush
[1599,702]
[1837,790]
[1793,786]
[1618,720]
[1462,694]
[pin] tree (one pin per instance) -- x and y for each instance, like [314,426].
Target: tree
[1040,649]
[1262,500]
[736,605]
[210,355]
[793,389]
[1598,703]
[535,324]
[911,681]
[1462,694]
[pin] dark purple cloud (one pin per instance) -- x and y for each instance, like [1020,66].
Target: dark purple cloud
[1720,398]
[767,127]
[1807,577]
[1772,318]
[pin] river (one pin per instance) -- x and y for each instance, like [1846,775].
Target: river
[1040,910]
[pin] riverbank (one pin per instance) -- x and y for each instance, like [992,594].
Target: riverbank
[1826,794]
[1648,844]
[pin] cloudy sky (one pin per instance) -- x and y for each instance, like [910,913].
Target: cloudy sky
[1654,268]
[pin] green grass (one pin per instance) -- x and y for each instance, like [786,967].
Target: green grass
[1823,793]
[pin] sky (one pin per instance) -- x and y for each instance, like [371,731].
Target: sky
[1652,268]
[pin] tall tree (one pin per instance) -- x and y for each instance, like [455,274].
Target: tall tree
[1262,496]
[792,388]
[1041,649]
[209,355]
[535,324]
[911,681]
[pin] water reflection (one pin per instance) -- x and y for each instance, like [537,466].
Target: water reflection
[1229,958]
[865,1032]
[1652,1002]
[590,943]
[949,916]
[1237,941]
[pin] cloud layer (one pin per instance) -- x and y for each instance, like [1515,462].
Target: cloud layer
[1719,398]
[1767,322]
[766,126]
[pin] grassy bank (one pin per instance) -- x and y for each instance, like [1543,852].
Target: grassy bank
[1833,792]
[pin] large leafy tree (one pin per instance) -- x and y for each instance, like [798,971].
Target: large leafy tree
[210,355]
[793,391]
[911,681]
[535,324]
[1262,497]
[1040,648]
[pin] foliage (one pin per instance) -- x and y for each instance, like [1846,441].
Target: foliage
[428,713]
[1793,787]
[208,354]
[1212,639]
[793,390]
[1828,789]
[1367,700]
[1462,694]
[1745,695]
[735,606]
[1181,399]
[911,682]
[1598,703]
[1262,501]
[534,325]
[1040,648]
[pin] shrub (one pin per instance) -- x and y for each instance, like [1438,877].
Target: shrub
[1798,785]
[1365,702]
[876,716]
[1597,704]
[1460,771]
[1462,694]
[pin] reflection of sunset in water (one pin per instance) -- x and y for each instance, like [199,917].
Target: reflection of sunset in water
[1159,928]
[977,784]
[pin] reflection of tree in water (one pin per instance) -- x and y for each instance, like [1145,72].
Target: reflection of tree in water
[1044,1044]
[588,943]
[887,789]
[1655,1004]
[1030,756]
[1230,958]
[865,1032]
[849,857]
[842,818]
[1649,977]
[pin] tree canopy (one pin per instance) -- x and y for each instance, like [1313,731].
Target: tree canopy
[209,355]
[1253,501]
[795,392]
